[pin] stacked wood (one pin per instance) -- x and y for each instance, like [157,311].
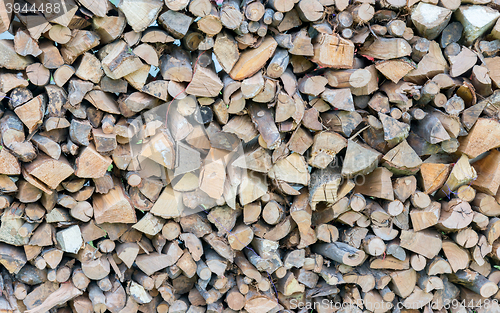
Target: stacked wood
[250,156]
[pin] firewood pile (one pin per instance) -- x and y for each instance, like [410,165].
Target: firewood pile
[254,156]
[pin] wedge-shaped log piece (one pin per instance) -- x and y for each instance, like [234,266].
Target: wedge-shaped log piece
[9,59]
[77,90]
[10,81]
[471,114]
[120,60]
[99,8]
[462,62]
[160,149]
[136,102]
[213,173]
[403,282]
[437,266]
[176,23]
[61,296]
[89,68]
[187,159]
[312,85]
[333,51]
[109,28]
[253,60]
[426,242]
[395,69]
[431,129]
[494,73]
[326,145]
[103,101]
[153,35]
[484,136]
[432,64]
[140,14]
[149,224]
[205,83]
[258,160]
[252,86]
[252,187]
[137,79]
[323,186]
[386,48]
[292,169]
[6,18]
[430,20]
[127,252]
[176,66]
[12,258]
[70,239]
[359,159]
[343,122]
[339,98]
[402,160]
[457,256]
[226,51]
[488,173]
[31,113]
[169,204]
[476,19]
[220,246]
[461,174]
[157,88]
[11,223]
[97,268]
[9,165]
[394,131]
[91,164]
[377,184]
[302,44]
[114,206]
[425,218]
[49,171]
[433,175]
[81,41]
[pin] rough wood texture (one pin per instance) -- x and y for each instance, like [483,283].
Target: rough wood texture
[224,156]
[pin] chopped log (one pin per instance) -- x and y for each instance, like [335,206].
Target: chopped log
[419,242]
[359,160]
[402,159]
[106,206]
[91,164]
[120,61]
[339,98]
[462,62]
[475,282]
[377,184]
[461,174]
[340,252]
[386,48]
[42,169]
[11,60]
[252,60]
[426,217]
[340,57]
[468,15]
[430,20]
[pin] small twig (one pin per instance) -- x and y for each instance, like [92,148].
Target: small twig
[359,132]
